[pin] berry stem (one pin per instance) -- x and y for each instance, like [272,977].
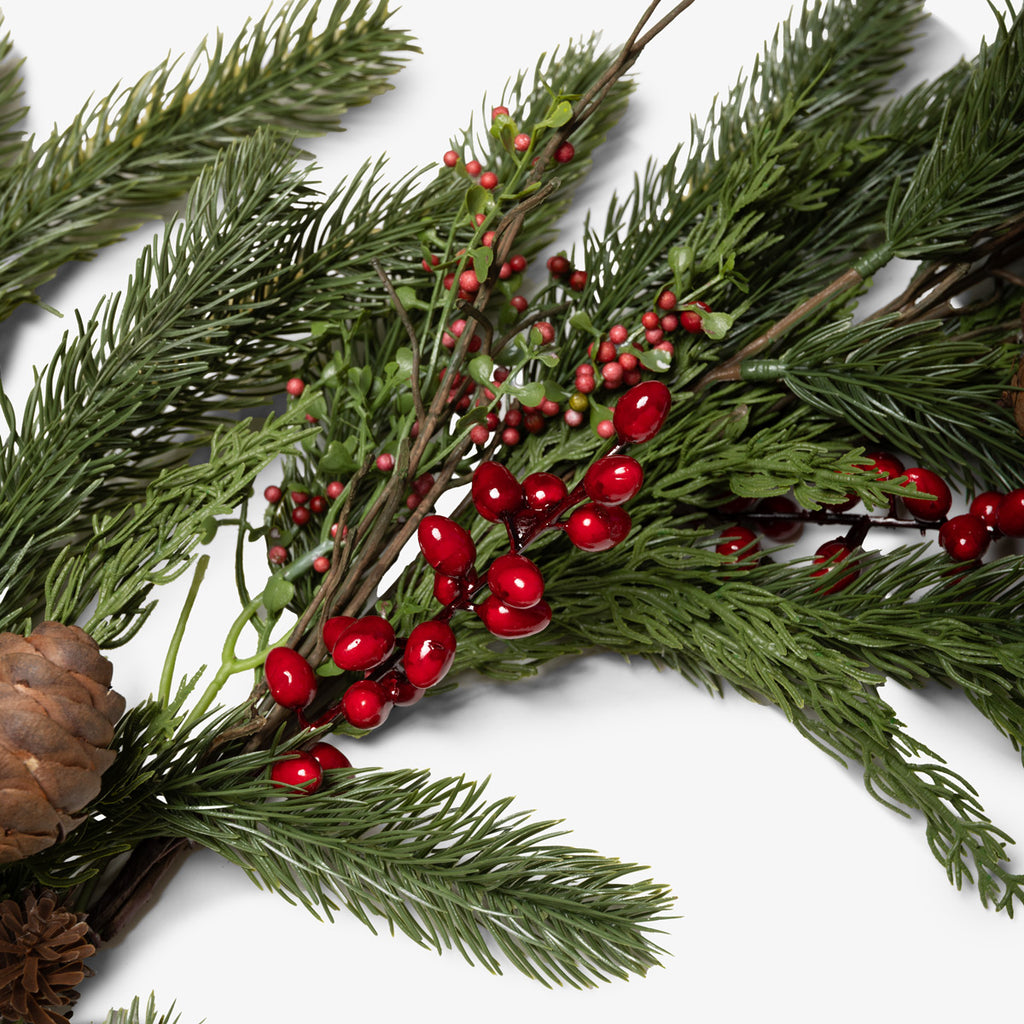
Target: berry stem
[167,673]
[823,517]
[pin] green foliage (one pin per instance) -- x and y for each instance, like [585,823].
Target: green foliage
[137,148]
[136,1015]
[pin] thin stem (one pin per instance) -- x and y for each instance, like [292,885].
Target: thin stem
[167,675]
[410,330]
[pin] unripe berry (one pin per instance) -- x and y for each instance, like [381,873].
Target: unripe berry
[964,537]
[365,704]
[613,480]
[428,653]
[365,644]
[290,678]
[513,623]
[495,491]
[297,768]
[446,545]
[516,581]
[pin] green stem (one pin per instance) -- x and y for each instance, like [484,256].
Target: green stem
[167,675]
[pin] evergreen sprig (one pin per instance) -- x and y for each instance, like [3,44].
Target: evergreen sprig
[140,147]
[12,108]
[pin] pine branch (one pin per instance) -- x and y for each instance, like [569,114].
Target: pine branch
[141,147]
[134,1014]
[12,108]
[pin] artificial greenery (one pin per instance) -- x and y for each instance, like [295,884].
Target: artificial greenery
[804,181]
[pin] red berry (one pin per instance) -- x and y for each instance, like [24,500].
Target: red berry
[428,653]
[669,323]
[613,480]
[1010,514]
[517,263]
[549,407]
[473,168]
[451,158]
[290,678]
[654,337]
[543,491]
[385,462]
[300,515]
[585,384]
[488,180]
[495,491]
[277,555]
[666,300]
[446,545]
[628,361]
[927,510]
[593,527]
[479,434]
[611,373]
[449,589]
[964,537]
[519,303]
[329,756]
[468,281]
[333,628]
[510,437]
[650,321]
[497,112]
[565,152]
[558,266]
[399,690]
[273,494]
[641,411]
[606,352]
[884,465]
[422,484]
[295,387]
[986,507]
[832,552]
[780,529]
[690,321]
[546,331]
[321,564]
[521,143]
[617,335]
[740,544]
[365,704]
[578,280]
[300,769]
[605,429]
[516,581]
[512,623]
[318,504]
[300,497]
[366,643]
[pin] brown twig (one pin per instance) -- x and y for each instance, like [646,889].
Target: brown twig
[414,341]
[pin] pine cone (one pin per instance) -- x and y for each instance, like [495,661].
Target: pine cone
[42,947]
[57,716]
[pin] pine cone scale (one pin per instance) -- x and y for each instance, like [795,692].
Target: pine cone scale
[57,718]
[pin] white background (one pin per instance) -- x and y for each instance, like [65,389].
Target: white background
[800,897]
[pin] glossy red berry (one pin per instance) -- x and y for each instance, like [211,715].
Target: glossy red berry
[295,387]
[495,491]
[301,515]
[578,280]
[290,678]
[497,112]
[781,530]
[741,544]
[666,300]
[329,756]
[593,527]
[446,545]
[986,507]
[565,152]
[516,581]
[298,768]
[386,462]
[473,168]
[399,690]
[1010,514]
[365,704]
[321,564]
[641,411]
[558,266]
[690,321]
[544,490]
[451,158]
[512,623]
[830,555]
[927,510]
[965,537]
[334,627]
[367,642]
[273,494]
[613,480]
[884,465]
[428,653]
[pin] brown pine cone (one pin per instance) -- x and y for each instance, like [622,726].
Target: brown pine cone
[57,717]
[42,949]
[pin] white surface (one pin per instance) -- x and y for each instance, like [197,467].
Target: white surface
[801,898]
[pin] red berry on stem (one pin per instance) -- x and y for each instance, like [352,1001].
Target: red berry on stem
[488,180]
[277,555]
[290,678]
[386,462]
[666,300]
[334,627]
[299,497]
[1010,514]
[739,543]
[318,504]
[986,507]
[451,158]
[690,321]
[364,644]
[613,480]
[558,266]
[605,429]
[544,490]
[497,112]
[521,143]
[832,553]
[273,494]
[365,704]
[593,527]
[964,537]
[428,653]
[399,690]
[329,756]
[495,491]
[928,510]
[641,411]
[780,529]
[446,545]
[578,280]
[300,769]
[565,152]
[295,387]
[513,623]
[516,581]
[473,168]
[884,465]
[300,515]
[321,564]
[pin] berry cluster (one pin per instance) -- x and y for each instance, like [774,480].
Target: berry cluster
[965,538]
[396,671]
[302,509]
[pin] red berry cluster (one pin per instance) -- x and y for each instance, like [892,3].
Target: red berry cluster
[965,537]
[394,671]
[302,508]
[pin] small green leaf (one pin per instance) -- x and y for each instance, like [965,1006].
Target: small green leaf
[555,392]
[558,116]
[360,378]
[680,259]
[716,325]
[336,460]
[598,413]
[531,393]
[208,530]
[409,299]
[481,369]
[404,359]
[277,594]
[482,258]
[581,321]
[547,358]
[655,359]
[479,199]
